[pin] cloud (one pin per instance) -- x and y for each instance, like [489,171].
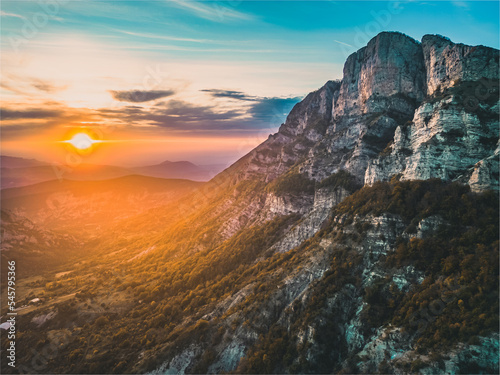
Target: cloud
[246,113]
[25,85]
[140,96]
[18,121]
[46,86]
[216,93]
[31,113]
[253,113]
[213,12]
[261,108]
[345,44]
[165,37]
[12,89]
[176,115]
[6,14]
[272,109]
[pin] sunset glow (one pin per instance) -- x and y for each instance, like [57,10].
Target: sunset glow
[141,78]
[81,141]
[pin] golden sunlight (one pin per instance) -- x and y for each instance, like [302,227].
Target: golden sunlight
[81,141]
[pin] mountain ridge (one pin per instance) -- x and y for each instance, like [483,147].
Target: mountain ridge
[18,172]
[374,132]
[376,112]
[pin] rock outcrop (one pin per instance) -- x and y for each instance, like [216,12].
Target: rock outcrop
[418,110]
[454,132]
[403,108]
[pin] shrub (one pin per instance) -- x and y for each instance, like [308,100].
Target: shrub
[341,179]
[293,184]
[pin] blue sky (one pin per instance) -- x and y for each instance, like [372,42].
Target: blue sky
[77,63]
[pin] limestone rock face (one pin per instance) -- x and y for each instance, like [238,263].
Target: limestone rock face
[382,84]
[310,117]
[324,200]
[447,62]
[454,132]
[447,140]
[417,110]
[391,64]
[305,125]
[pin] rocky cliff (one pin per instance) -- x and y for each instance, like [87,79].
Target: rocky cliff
[453,134]
[404,110]
[417,110]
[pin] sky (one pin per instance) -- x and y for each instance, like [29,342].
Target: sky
[204,81]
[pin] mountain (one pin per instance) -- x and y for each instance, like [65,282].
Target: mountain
[402,107]
[179,169]
[362,237]
[16,162]
[24,176]
[16,172]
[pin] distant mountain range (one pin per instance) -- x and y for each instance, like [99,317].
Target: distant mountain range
[16,171]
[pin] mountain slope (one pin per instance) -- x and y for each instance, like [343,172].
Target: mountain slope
[30,175]
[34,249]
[87,205]
[347,126]
[178,169]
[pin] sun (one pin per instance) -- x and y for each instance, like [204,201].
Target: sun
[81,141]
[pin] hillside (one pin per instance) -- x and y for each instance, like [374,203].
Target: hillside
[178,169]
[89,206]
[360,238]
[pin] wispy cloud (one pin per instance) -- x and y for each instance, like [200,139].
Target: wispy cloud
[217,93]
[140,96]
[166,37]
[182,39]
[25,85]
[12,89]
[345,44]
[212,11]
[46,86]
[7,14]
